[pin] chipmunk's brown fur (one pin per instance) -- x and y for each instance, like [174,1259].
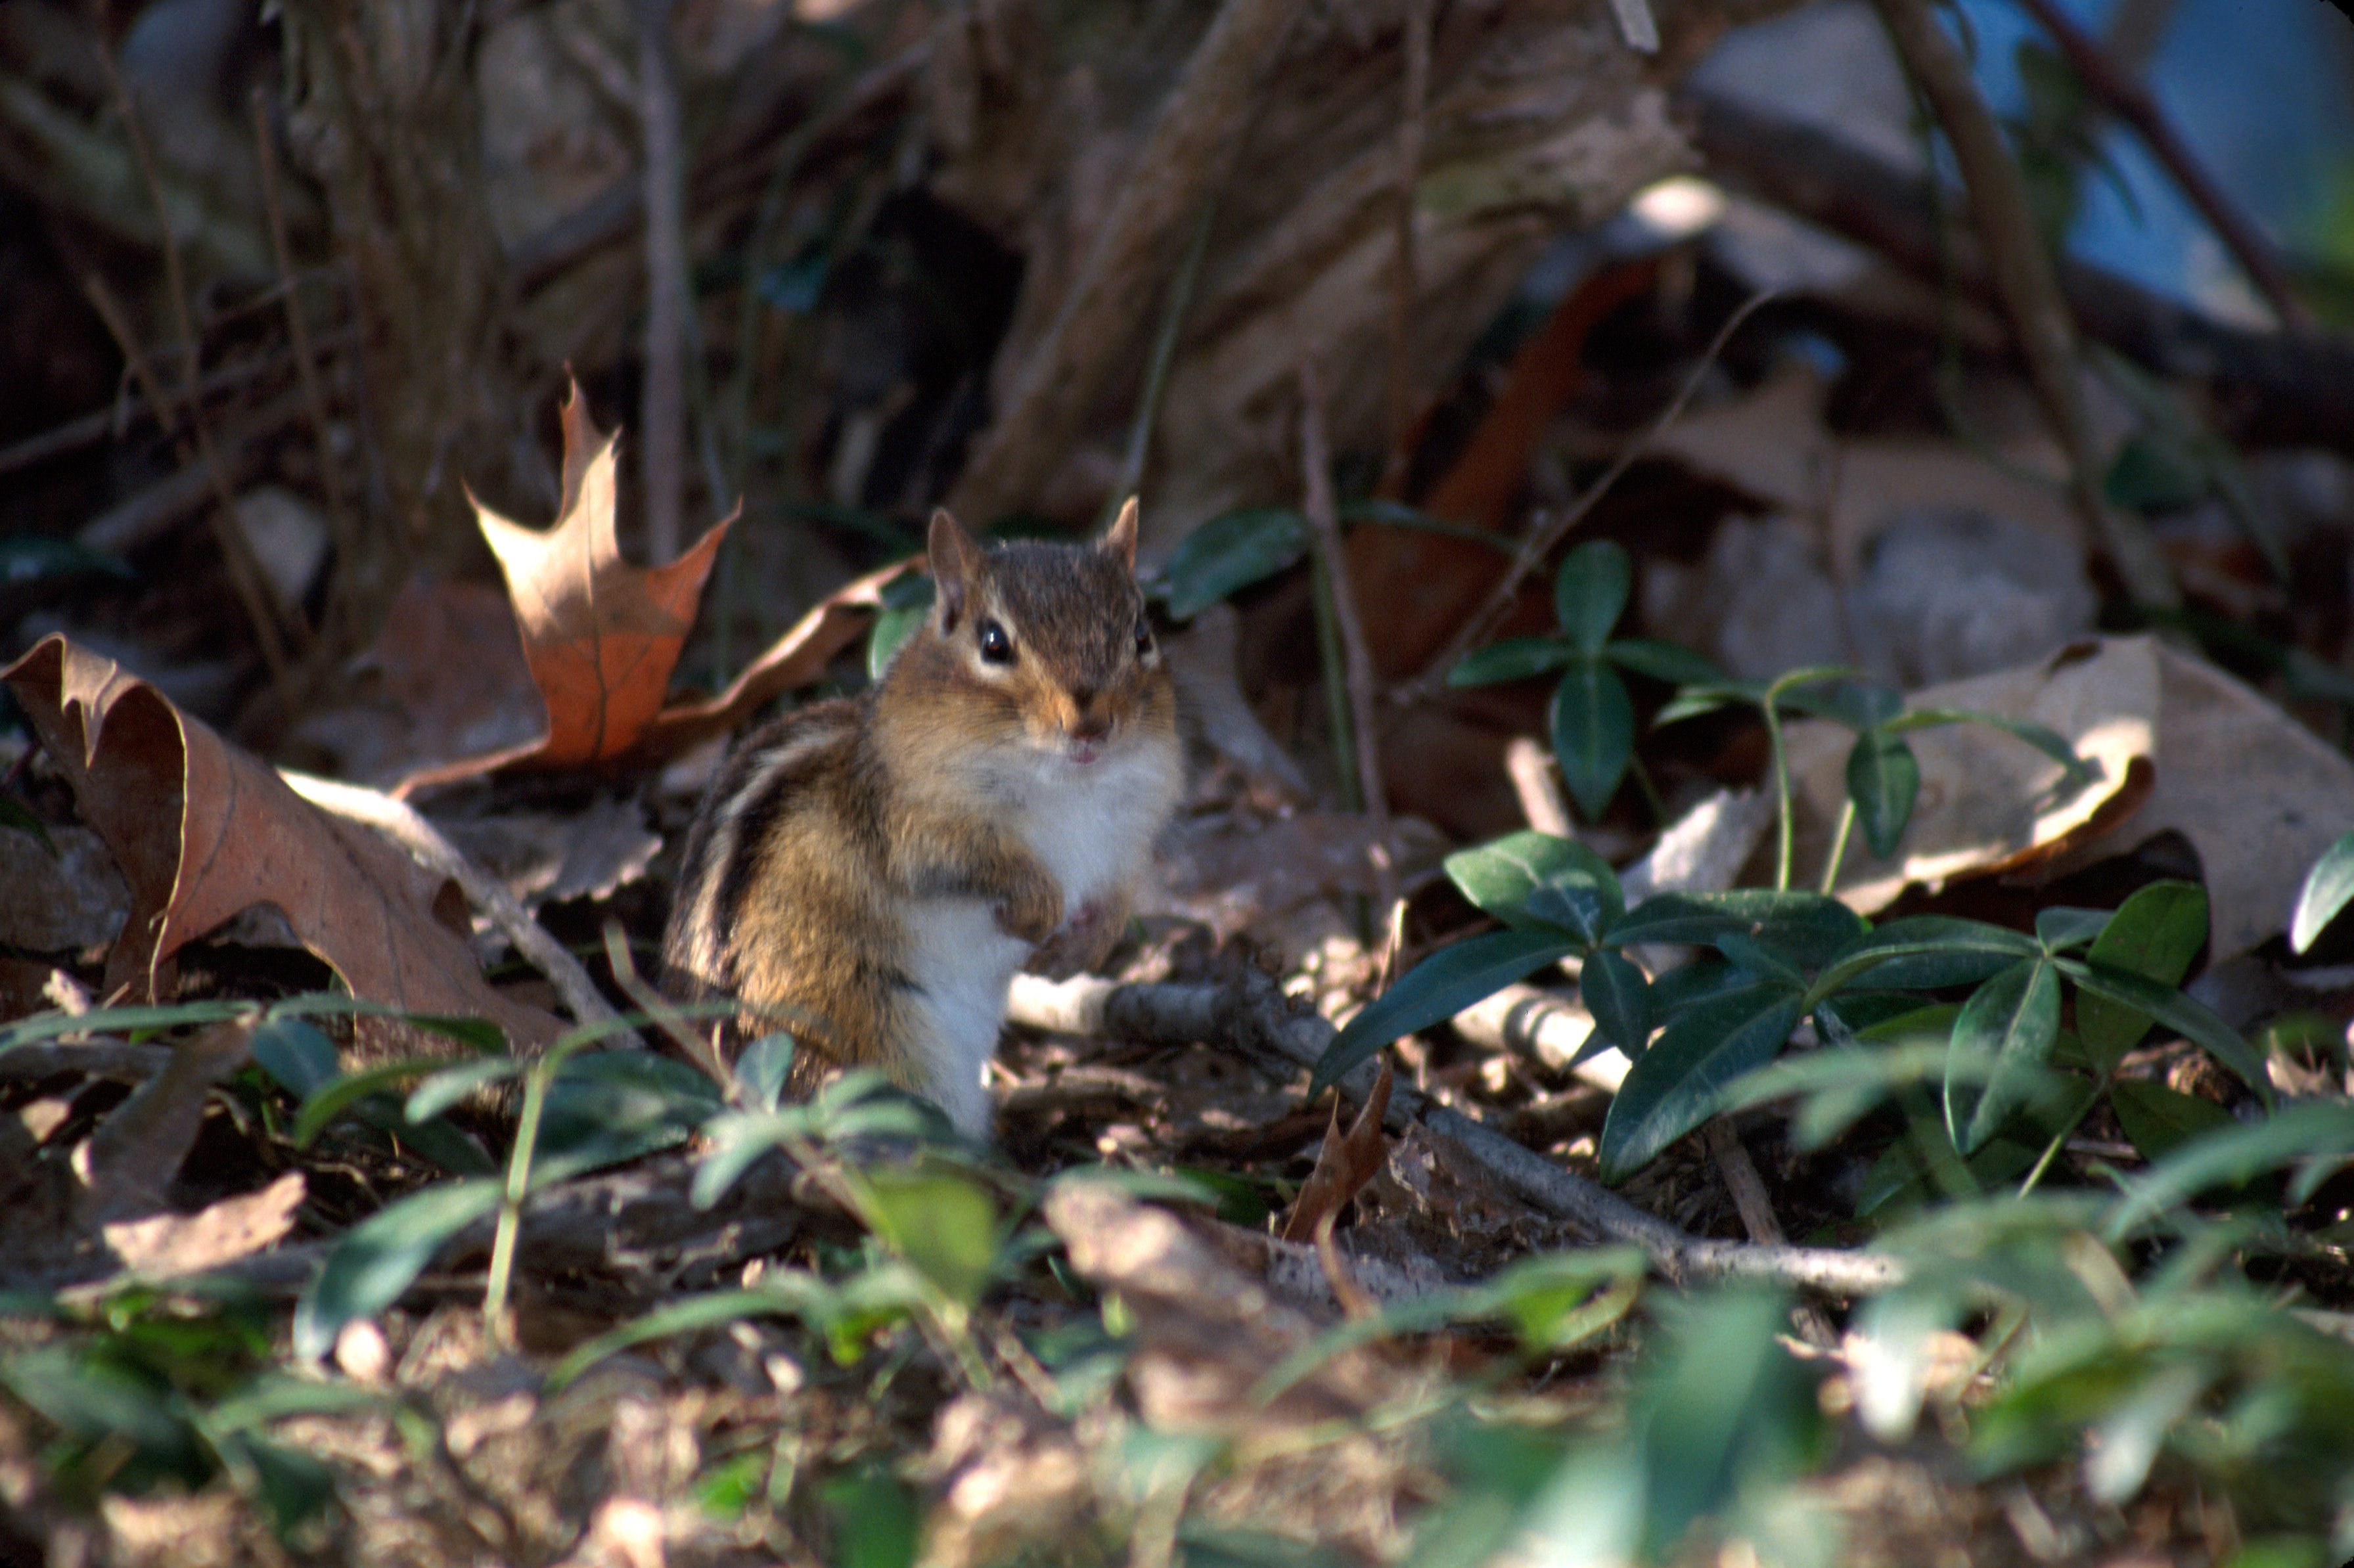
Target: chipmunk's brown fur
[868,874]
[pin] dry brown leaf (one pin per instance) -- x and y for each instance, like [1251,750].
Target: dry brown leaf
[450,682]
[163,1246]
[1774,445]
[2182,746]
[1987,801]
[204,830]
[2256,793]
[129,1161]
[1346,1162]
[601,636]
[1206,1332]
[796,659]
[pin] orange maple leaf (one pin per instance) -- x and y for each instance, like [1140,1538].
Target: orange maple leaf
[601,636]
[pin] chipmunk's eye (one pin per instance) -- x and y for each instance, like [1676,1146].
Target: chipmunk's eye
[996,647]
[1143,637]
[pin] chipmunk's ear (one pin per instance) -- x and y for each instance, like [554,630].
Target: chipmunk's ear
[954,558]
[1120,538]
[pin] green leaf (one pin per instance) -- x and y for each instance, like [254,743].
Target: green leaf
[2188,1017]
[2155,933]
[1436,989]
[1802,929]
[1927,952]
[1557,1300]
[1593,734]
[1673,1087]
[2061,927]
[877,1519]
[761,1071]
[1752,957]
[1228,553]
[382,1255]
[1663,662]
[1589,593]
[888,634]
[294,1485]
[1836,1088]
[606,1106]
[345,1095]
[1618,996]
[2317,1130]
[31,557]
[1530,879]
[1514,659]
[1852,704]
[293,1051]
[2158,1120]
[1884,778]
[2008,1025]
[2327,887]
[781,1292]
[1722,1408]
[2076,771]
[2155,472]
[945,1225]
[1385,514]
[451,1085]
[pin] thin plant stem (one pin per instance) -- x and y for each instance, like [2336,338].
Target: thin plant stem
[1838,845]
[2060,1139]
[1336,693]
[1780,763]
[1156,370]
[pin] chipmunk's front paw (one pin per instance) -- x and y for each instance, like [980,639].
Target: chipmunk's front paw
[1032,910]
[1080,943]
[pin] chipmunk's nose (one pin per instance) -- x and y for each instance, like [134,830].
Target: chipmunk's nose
[1090,726]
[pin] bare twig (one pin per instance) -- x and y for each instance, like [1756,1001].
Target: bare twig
[2129,99]
[1356,659]
[1531,768]
[1756,1210]
[425,844]
[1181,159]
[135,357]
[1550,531]
[1255,1017]
[89,430]
[345,526]
[662,407]
[137,519]
[244,573]
[2026,286]
[1406,279]
[1173,311]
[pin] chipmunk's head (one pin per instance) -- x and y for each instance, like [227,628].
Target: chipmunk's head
[1050,642]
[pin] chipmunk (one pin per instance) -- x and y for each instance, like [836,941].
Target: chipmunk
[869,873]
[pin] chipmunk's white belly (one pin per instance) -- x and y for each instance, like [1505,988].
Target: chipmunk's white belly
[1094,825]
[1093,828]
[961,964]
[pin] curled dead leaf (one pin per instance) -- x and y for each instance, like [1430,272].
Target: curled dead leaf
[602,637]
[204,830]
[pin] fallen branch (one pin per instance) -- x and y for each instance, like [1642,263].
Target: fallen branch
[1255,1017]
[424,843]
